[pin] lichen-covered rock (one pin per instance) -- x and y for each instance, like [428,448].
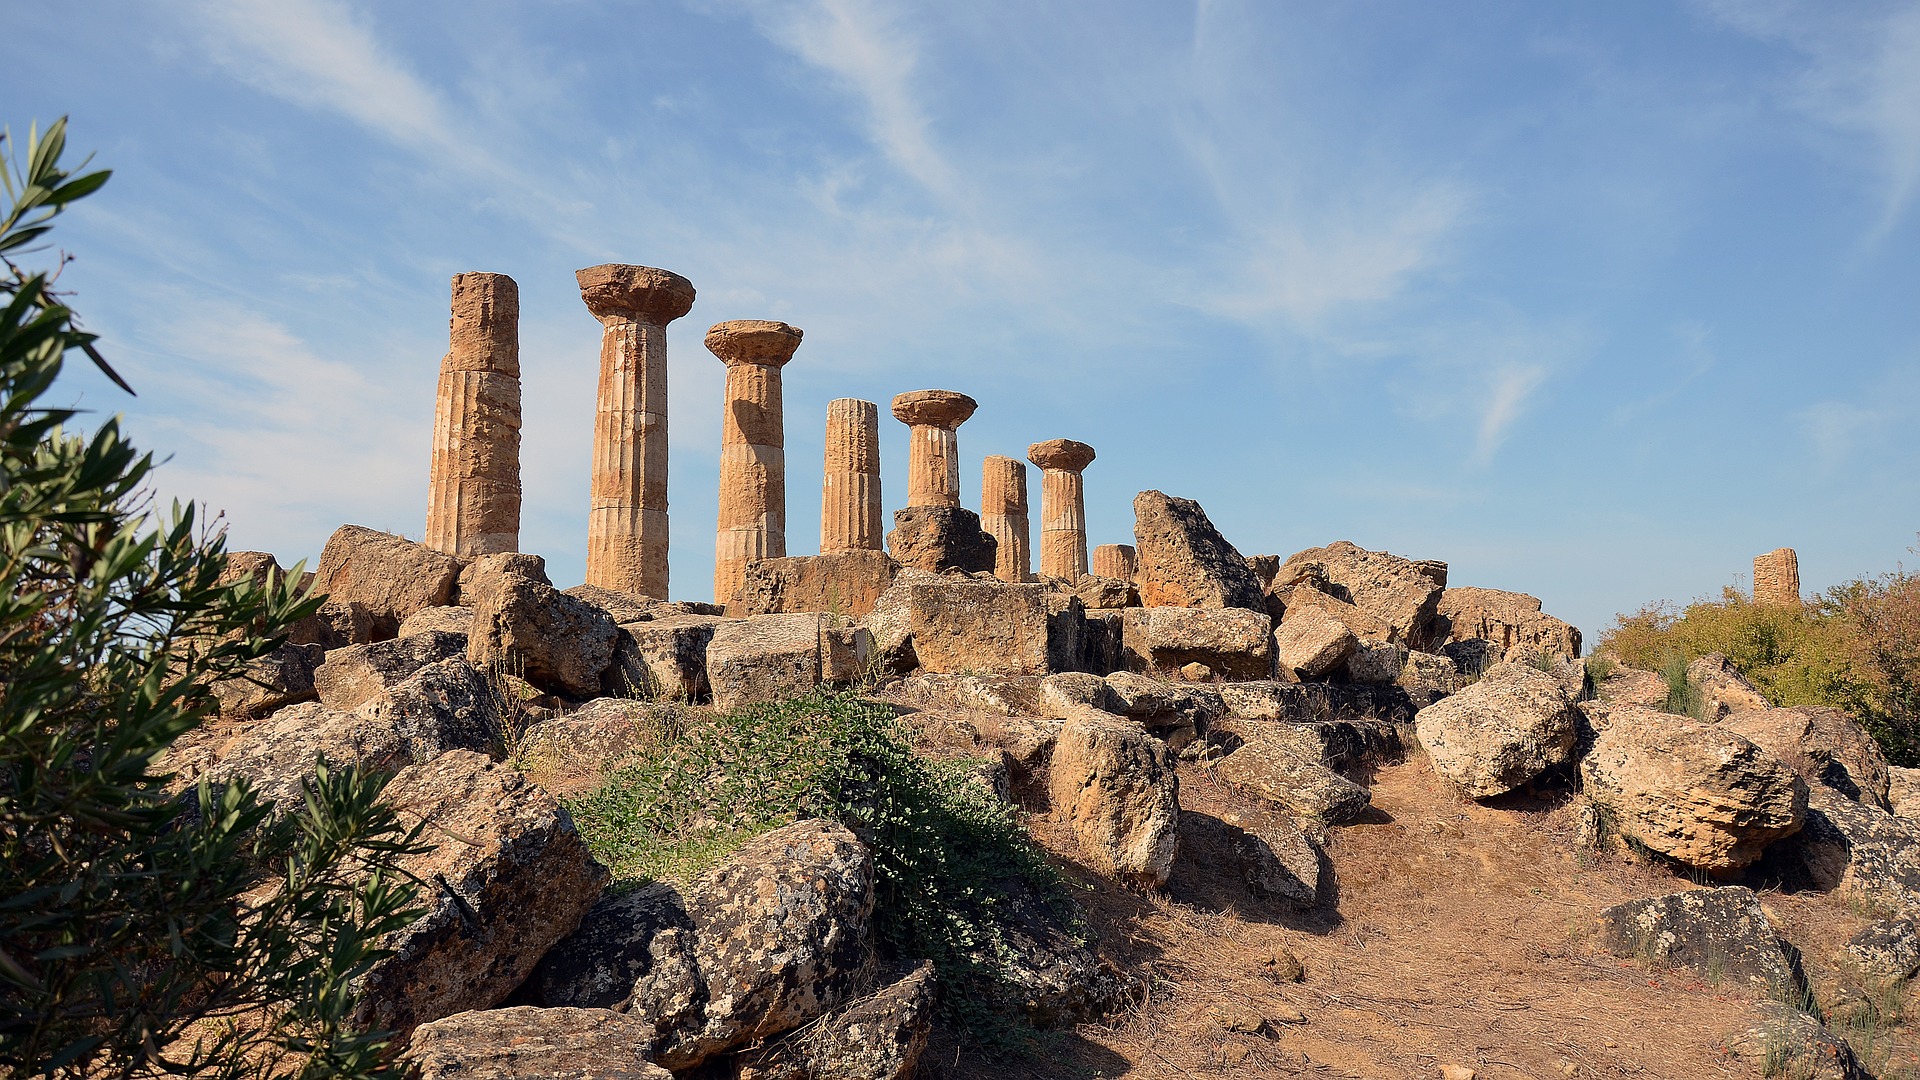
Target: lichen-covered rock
[486,572]
[1174,712]
[879,1037]
[449,620]
[937,539]
[1103,593]
[559,643]
[282,677]
[1401,593]
[573,751]
[1903,791]
[1715,933]
[1887,950]
[1861,850]
[525,1043]
[1232,642]
[1781,1040]
[958,624]
[1376,663]
[773,657]
[1277,862]
[508,879]
[357,674]
[1509,620]
[1301,703]
[626,607]
[1501,733]
[1722,686]
[598,964]
[840,583]
[1311,642]
[1062,694]
[1111,782]
[1618,684]
[445,705]
[1274,764]
[1183,561]
[1428,677]
[390,576]
[662,659]
[1693,792]
[1823,745]
[779,936]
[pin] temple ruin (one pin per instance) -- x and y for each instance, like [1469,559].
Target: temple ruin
[473,481]
[753,449]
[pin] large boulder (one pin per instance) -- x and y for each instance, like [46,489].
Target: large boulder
[1311,642]
[1617,684]
[1723,689]
[487,572]
[389,576]
[1183,561]
[508,878]
[1887,950]
[1302,703]
[952,624]
[357,674]
[1112,784]
[1693,792]
[570,753]
[1501,733]
[525,1043]
[1509,620]
[1232,642]
[449,620]
[772,657]
[1402,594]
[1903,791]
[626,607]
[1824,745]
[937,539]
[778,935]
[843,583]
[282,677]
[1289,770]
[1862,851]
[559,643]
[1715,933]
[879,1037]
[1780,1040]
[662,659]
[1276,862]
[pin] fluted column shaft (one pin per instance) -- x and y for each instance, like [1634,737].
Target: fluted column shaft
[627,540]
[850,490]
[1776,578]
[933,448]
[473,479]
[753,461]
[1003,513]
[1063,506]
[1114,561]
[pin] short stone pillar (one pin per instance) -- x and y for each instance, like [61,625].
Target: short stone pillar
[1003,513]
[1063,506]
[1776,578]
[850,490]
[1115,561]
[753,454]
[473,480]
[933,457]
[627,518]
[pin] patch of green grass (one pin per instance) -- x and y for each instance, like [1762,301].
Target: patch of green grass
[1683,697]
[949,855]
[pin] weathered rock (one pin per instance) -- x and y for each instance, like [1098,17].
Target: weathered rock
[772,657]
[625,607]
[1292,775]
[1233,642]
[1063,694]
[473,483]
[1402,593]
[1104,593]
[1292,601]
[282,677]
[390,576]
[1371,663]
[1310,643]
[1116,561]
[337,625]
[592,739]
[1428,677]
[663,659]
[1003,514]
[1002,695]
[1623,685]
[1183,561]
[446,705]
[1165,707]
[1102,634]
[962,624]
[486,572]
[357,674]
[1278,862]
[1716,933]
[1887,951]
[560,643]
[1111,782]
[938,539]
[1823,745]
[509,878]
[1048,973]
[846,584]
[525,1043]
[879,1037]
[779,936]
[1722,686]
[1781,1040]
[1860,850]
[445,620]
[1705,797]
[1337,744]
[1501,733]
[1776,577]
[1301,703]
[1903,791]
[850,488]
[1509,620]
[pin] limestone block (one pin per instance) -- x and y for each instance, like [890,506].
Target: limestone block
[1231,641]
[845,583]
[391,577]
[1183,559]
[1776,578]
[1110,781]
[662,659]
[1509,620]
[525,1043]
[774,657]
[957,624]
[1824,745]
[1113,561]
[357,674]
[1402,593]
[1311,642]
[559,643]
[1501,733]
[282,677]
[937,539]
[445,620]
[1715,933]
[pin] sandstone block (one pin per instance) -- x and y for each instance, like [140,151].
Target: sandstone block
[846,584]
[662,659]
[1310,643]
[390,576]
[1501,733]
[357,674]
[773,657]
[1292,775]
[282,677]
[487,571]
[446,620]
[953,624]
[879,1037]
[1233,642]
[1824,745]
[1714,933]
[1509,620]
[1726,690]
[1183,561]
[1401,593]
[937,539]
[1110,781]
[524,1043]
[559,643]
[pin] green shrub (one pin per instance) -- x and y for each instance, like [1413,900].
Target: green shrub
[143,932]
[949,855]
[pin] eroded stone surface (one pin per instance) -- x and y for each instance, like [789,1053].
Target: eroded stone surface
[961,624]
[559,643]
[845,583]
[933,454]
[1824,745]
[753,456]
[938,539]
[1003,514]
[1311,642]
[1063,506]
[473,482]
[1776,577]
[1183,559]
[1715,933]
[357,674]
[1111,782]
[1401,593]
[1501,733]
[1232,642]
[526,1043]
[388,576]
[1114,561]
[772,657]
[1509,620]
[850,488]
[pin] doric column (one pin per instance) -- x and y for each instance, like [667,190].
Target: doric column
[1776,578]
[1003,513]
[753,454]
[1063,506]
[473,481]
[627,521]
[850,492]
[1114,561]
[933,457]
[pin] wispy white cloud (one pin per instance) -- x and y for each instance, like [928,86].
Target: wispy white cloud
[1695,357]
[1834,429]
[1506,398]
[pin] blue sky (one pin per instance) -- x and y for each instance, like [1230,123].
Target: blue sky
[1591,301]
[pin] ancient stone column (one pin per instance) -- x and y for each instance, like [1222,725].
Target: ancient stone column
[1114,561]
[850,492]
[1003,513]
[1063,506]
[933,457]
[627,519]
[473,481]
[1776,578]
[753,455]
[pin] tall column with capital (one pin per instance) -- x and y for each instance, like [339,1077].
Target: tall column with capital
[753,454]
[1063,506]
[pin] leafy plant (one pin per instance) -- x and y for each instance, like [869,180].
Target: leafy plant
[145,930]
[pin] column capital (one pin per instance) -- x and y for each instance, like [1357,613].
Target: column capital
[933,408]
[1065,455]
[753,341]
[643,293]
